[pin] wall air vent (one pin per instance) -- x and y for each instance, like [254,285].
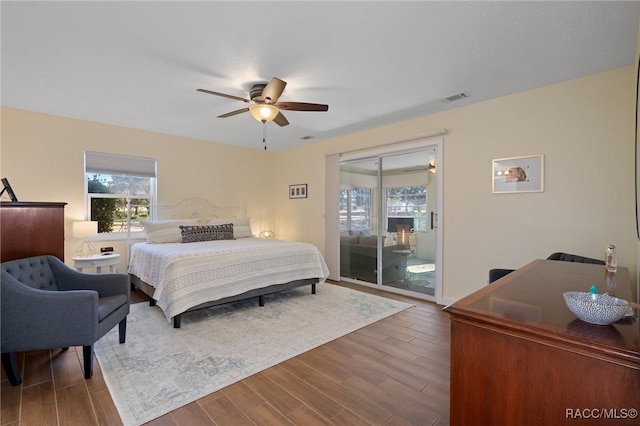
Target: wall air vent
[456,97]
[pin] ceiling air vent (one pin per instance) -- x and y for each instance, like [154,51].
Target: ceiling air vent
[456,97]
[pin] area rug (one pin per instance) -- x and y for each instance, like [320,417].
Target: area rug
[421,268]
[161,368]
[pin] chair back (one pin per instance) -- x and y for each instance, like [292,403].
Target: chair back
[34,272]
[567,257]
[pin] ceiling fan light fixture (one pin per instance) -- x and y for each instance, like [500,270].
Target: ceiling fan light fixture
[264,105]
[263,112]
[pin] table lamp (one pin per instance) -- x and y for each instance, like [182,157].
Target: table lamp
[84,229]
[267,235]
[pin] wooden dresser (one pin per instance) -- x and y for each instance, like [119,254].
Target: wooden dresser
[31,229]
[520,357]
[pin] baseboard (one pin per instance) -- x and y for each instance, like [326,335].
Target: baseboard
[445,301]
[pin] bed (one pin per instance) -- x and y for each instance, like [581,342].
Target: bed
[184,276]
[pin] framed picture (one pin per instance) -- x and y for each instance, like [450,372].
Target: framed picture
[298,191]
[518,174]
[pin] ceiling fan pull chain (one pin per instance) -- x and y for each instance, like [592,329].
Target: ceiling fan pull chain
[264,134]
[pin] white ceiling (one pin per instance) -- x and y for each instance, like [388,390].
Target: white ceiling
[138,64]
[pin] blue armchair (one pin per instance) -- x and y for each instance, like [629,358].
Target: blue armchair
[45,304]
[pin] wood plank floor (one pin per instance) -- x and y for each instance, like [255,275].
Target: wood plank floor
[393,372]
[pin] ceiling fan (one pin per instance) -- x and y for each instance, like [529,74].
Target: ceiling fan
[264,105]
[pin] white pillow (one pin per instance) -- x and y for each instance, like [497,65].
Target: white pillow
[166,231]
[241,225]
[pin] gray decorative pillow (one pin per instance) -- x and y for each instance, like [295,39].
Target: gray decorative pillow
[192,234]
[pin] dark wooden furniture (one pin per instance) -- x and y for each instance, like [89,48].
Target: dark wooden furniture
[31,229]
[520,357]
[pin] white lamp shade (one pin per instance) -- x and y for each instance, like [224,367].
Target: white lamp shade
[85,228]
[263,112]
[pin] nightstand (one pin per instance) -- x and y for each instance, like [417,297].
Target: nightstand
[97,261]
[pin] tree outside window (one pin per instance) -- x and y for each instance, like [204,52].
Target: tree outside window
[119,203]
[355,209]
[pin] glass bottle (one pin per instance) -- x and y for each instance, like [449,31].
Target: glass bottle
[612,283]
[611,258]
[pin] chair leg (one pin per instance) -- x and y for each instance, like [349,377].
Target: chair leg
[87,355]
[122,330]
[10,364]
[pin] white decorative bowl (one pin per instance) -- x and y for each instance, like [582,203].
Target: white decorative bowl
[600,309]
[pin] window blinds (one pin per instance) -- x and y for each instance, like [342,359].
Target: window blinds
[114,164]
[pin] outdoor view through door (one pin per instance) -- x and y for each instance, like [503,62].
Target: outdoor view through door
[385,212]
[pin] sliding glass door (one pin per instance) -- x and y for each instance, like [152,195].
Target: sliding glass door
[359,197]
[408,249]
[388,206]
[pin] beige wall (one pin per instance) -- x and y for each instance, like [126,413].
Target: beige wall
[584,128]
[42,155]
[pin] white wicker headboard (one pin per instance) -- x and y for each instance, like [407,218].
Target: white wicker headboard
[196,207]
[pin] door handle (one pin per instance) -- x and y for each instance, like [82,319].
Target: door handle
[434,217]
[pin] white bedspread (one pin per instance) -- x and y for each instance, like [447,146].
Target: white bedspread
[186,275]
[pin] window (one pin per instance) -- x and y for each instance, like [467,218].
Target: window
[355,209]
[120,191]
[408,201]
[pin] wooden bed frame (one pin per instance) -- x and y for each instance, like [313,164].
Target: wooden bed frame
[259,293]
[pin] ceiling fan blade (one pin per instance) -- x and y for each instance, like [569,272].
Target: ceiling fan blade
[236,112]
[302,106]
[224,95]
[273,90]
[281,120]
